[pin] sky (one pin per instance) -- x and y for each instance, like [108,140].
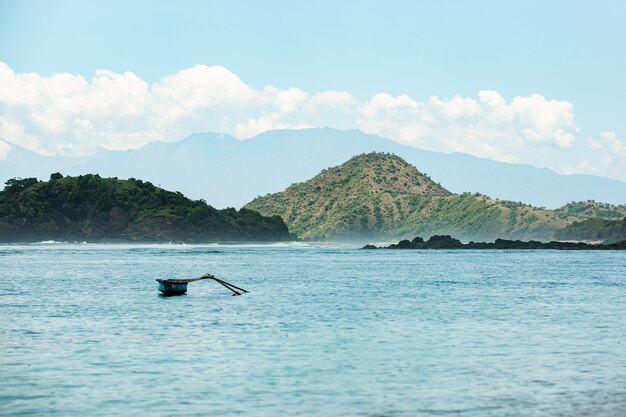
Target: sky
[532,82]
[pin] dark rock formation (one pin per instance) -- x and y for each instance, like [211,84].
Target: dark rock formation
[448,242]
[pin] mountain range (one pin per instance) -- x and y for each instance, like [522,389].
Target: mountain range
[228,172]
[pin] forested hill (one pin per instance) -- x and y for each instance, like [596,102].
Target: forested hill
[91,208]
[608,231]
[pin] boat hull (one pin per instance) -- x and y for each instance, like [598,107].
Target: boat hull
[169,288]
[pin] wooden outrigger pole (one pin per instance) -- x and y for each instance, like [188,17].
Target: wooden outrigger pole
[179,286]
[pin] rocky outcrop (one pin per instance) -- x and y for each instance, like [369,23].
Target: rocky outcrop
[448,242]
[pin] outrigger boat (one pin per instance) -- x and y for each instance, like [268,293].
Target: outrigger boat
[169,287]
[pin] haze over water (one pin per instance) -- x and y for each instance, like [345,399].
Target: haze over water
[325,331]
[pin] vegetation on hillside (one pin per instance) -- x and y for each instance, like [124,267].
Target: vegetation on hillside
[89,207]
[608,231]
[592,209]
[381,195]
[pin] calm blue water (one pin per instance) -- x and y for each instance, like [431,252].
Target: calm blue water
[324,331]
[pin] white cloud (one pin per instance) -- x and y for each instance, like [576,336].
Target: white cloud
[613,144]
[10,129]
[66,113]
[545,121]
[272,121]
[290,101]
[487,127]
[491,98]
[605,156]
[400,118]
[69,114]
[455,108]
[340,100]
[204,86]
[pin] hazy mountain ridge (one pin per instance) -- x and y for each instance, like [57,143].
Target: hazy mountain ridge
[230,172]
[380,195]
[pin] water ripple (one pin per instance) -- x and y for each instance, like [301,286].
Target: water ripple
[325,331]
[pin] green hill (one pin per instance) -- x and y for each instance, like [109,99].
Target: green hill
[379,195]
[608,231]
[592,209]
[92,208]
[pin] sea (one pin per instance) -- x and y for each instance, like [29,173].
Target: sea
[325,330]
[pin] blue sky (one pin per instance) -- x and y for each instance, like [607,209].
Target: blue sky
[569,51]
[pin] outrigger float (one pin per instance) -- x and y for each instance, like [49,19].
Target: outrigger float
[169,287]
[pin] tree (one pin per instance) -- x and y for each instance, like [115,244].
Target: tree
[19,184]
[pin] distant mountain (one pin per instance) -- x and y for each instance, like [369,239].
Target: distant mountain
[107,209]
[380,195]
[229,172]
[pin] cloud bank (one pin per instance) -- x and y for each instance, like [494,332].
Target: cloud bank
[67,114]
